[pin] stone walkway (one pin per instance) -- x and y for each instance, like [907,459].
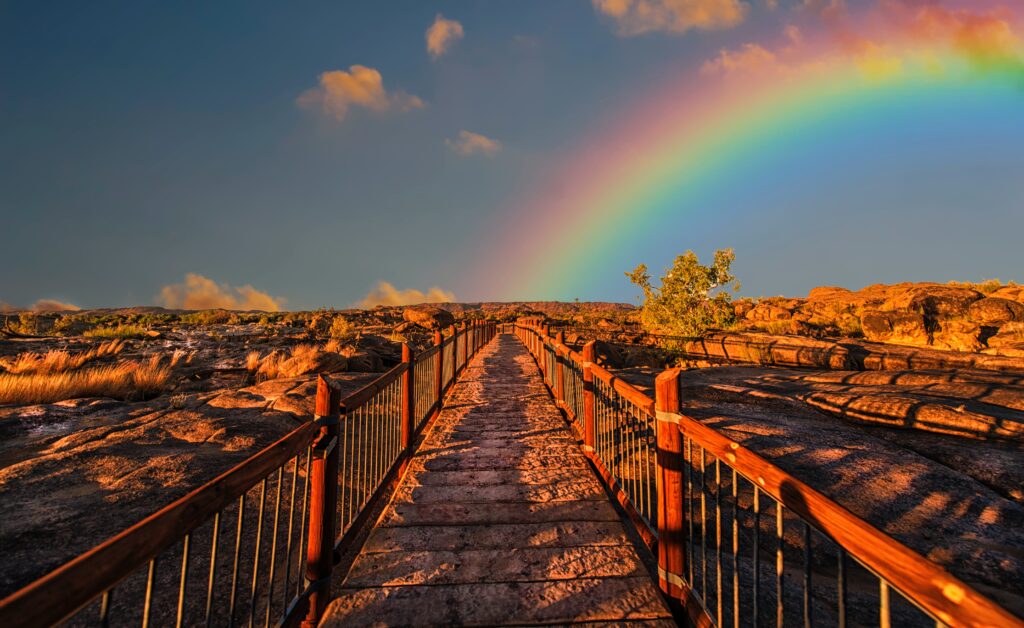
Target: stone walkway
[499,521]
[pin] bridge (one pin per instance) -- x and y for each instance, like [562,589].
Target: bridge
[501,477]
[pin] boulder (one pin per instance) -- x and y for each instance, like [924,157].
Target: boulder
[934,300]
[957,335]
[1013,293]
[763,312]
[1008,334]
[428,317]
[828,293]
[741,307]
[995,310]
[365,361]
[897,327]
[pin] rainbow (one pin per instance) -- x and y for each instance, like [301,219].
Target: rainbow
[673,145]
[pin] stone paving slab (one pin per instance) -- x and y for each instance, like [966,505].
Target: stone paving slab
[499,521]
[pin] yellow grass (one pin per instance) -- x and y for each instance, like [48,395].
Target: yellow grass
[58,361]
[125,380]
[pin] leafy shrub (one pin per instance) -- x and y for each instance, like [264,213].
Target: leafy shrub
[684,305]
[206,317]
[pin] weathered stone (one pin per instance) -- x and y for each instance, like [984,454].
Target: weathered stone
[896,327]
[764,312]
[935,300]
[428,317]
[995,311]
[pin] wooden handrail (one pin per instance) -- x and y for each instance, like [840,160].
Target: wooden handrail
[74,585]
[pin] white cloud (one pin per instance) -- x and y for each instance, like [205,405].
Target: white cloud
[359,87]
[469,143]
[386,294]
[442,35]
[200,293]
[635,17]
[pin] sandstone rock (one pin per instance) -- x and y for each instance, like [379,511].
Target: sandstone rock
[995,310]
[1013,293]
[741,307]
[608,355]
[935,300]
[896,327]
[428,317]
[1009,334]
[1015,350]
[957,335]
[828,293]
[768,312]
[608,325]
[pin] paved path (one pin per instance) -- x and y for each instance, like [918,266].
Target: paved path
[499,521]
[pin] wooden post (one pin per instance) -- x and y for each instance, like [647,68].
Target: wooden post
[438,371]
[670,485]
[408,400]
[323,499]
[589,407]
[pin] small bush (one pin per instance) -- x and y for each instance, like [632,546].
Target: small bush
[121,331]
[341,329]
[206,317]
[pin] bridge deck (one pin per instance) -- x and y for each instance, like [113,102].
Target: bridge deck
[499,521]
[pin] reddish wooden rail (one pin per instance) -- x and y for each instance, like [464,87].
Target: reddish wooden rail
[333,465]
[682,548]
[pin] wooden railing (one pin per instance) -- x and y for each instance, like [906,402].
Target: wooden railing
[739,540]
[258,543]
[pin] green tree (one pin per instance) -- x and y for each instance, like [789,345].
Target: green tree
[684,304]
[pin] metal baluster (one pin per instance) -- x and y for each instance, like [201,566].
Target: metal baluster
[735,550]
[757,549]
[807,575]
[273,548]
[299,584]
[841,586]
[234,568]
[148,604]
[689,508]
[186,542]
[884,617]
[256,553]
[779,565]
[288,540]
[105,608]
[703,526]
[213,567]
[718,539]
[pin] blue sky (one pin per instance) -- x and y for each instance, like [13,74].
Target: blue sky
[143,141]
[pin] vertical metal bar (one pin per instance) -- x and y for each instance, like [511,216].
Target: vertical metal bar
[689,508]
[148,604]
[779,565]
[273,547]
[718,539]
[105,608]
[703,525]
[256,553]
[807,575]
[735,551]
[213,567]
[884,616]
[186,542]
[302,524]
[841,586]
[757,552]
[234,568]
[288,539]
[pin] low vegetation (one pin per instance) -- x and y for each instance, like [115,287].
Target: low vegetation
[125,380]
[120,331]
[686,303]
[58,361]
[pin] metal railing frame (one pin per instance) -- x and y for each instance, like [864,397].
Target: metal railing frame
[670,526]
[387,417]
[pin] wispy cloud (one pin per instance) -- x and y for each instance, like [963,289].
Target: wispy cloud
[749,57]
[361,86]
[53,305]
[442,35]
[635,17]
[469,143]
[386,294]
[201,293]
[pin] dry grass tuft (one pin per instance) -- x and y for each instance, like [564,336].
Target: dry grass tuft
[59,361]
[299,360]
[126,380]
